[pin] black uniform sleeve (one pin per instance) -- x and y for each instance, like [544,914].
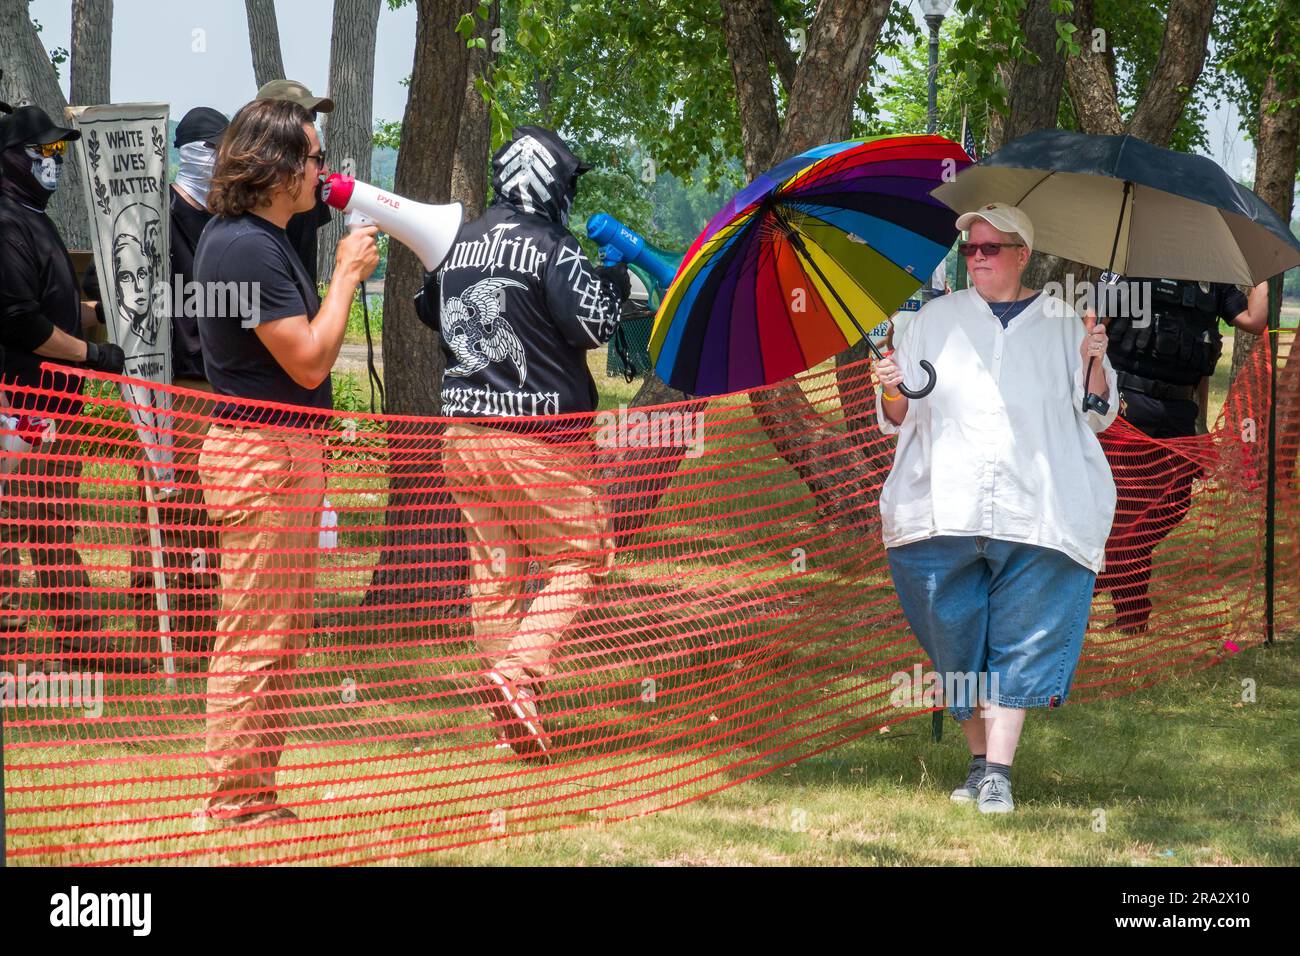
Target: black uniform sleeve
[583,302]
[428,302]
[22,323]
[1231,302]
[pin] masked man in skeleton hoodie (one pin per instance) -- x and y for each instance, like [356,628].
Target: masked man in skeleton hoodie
[517,306]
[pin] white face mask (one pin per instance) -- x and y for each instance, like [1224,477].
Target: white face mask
[46,170]
[194,174]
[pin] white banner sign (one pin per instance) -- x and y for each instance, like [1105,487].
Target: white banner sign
[123,149]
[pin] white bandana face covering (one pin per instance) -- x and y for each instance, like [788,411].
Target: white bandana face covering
[46,170]
[194,175]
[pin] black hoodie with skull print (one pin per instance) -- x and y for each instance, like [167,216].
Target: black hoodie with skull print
[516,302]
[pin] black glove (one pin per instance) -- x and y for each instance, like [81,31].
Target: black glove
[105,358]
[617,274]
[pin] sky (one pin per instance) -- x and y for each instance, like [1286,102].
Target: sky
[195,53]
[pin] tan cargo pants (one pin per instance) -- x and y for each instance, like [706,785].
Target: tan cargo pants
[264,491]
[509,521]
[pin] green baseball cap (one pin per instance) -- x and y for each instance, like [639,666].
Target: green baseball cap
[295,92]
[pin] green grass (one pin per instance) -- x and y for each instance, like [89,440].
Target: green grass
[1181,773]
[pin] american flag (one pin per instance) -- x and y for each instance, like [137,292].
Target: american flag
[967,138]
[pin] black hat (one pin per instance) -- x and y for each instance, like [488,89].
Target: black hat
[202,124]
[30,125]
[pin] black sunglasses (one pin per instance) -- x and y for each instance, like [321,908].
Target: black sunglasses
[989,249]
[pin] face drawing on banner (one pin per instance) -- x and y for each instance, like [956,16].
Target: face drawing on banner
[136,264]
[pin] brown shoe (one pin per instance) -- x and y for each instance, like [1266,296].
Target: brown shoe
[512,705]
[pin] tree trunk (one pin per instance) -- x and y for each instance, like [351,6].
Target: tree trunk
[92,52]
[469,171]
[349,130]
[542,84]
[424,162]
[746,40]
[264,39]
[1092,87]
[997,121]
[1277,146]
[1035,103]
[841,41]
[1182,57]
[778,48]
[29,78]
[1036,87]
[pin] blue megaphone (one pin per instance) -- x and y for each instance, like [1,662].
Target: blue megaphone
[620,244]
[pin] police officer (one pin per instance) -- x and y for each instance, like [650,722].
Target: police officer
[1163,358]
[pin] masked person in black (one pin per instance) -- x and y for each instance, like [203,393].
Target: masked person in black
[40,320]
[1163,355]
[518,306]
[185,531]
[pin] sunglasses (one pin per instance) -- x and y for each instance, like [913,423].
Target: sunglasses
[989,249]
[50,149]
[319,157]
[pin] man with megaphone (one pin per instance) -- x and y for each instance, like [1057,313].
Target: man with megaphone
[267,335]
[518,305]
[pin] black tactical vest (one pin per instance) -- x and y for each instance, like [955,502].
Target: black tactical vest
[1181,342]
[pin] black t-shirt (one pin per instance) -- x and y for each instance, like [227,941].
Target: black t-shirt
[38,292]
[1006,311]
[248,249]
[301,229]
[187,225]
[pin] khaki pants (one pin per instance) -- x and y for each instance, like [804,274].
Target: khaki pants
[46,524]
[492,475]
[264,490]
[189,542]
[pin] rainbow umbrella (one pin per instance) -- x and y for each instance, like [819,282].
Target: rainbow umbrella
[803,260]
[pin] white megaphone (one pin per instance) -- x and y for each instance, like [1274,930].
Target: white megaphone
[428,231]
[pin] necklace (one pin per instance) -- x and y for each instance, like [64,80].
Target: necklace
[1009,306]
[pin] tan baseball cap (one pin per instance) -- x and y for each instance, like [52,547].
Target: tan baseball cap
[295,92]
[1001,216]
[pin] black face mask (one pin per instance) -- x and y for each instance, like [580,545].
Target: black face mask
[18,182]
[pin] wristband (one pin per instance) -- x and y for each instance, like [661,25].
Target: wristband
[92,353]
[889,398]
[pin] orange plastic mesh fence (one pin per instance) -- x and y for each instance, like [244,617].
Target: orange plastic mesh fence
[402,635]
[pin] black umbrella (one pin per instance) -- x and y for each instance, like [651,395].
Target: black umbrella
[1118,203]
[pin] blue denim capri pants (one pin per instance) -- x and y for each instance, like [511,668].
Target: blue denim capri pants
[997,616]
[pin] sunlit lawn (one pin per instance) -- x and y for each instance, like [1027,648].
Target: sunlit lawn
[1182,772]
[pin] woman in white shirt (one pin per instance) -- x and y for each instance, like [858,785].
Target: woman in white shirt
[996,511]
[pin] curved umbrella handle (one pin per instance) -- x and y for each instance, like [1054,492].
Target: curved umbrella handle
[925,389]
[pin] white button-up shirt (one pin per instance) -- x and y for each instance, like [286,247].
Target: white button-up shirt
[1001,447]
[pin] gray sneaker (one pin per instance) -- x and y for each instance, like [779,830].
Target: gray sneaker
[995,794]
[969,791]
